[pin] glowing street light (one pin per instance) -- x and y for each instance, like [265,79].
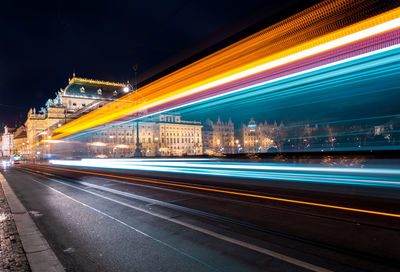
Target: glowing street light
[97,144]
[122,146]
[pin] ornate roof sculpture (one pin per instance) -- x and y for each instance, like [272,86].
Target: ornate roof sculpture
[56,102]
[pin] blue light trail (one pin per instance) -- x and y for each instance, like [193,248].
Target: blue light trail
[383,177]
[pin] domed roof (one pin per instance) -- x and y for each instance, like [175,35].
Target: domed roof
[93,89]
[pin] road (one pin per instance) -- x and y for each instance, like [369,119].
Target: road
[100,219]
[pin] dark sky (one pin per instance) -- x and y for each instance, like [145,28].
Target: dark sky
[43,42]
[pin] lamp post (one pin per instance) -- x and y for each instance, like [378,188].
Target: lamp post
[130,88]
[138,150]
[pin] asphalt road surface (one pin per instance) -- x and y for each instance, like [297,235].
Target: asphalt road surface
[118,220]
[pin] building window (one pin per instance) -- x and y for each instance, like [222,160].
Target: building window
[73,104]
[99,91]
[82,89]
[83,105]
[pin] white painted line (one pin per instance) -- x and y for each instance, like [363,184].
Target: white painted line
[193,227]
[40,256]
[125,224]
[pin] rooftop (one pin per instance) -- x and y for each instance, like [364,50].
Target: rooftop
[94,89]
[95,82]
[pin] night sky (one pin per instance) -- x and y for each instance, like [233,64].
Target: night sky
[44,42]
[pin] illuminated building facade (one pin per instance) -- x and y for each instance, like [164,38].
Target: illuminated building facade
[20,141]
[258,138]
[79,97]
[179,137]
[218,137]
[165,135]
[7,143]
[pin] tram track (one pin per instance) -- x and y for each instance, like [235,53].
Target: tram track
[232,221]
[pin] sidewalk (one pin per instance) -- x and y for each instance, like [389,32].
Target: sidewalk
[23,248]
[12,255]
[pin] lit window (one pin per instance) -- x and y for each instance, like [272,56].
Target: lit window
[82,89]
[99,91]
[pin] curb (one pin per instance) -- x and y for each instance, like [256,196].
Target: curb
[40,256]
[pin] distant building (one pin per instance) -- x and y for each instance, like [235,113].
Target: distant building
[7,143]
[258,138]
[218,137]
[383,129]
[179,137]
[20,145]
[1,145]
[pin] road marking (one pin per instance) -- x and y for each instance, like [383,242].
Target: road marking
[122,222]
[233,193]
[187,225]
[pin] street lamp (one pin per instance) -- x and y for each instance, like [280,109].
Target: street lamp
[130,88]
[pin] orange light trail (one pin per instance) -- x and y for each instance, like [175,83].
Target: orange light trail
[231,192]
[271,47]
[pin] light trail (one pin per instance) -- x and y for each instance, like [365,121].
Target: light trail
[274,87]
[263,171]
[273,83]
[231,192]
[155,95]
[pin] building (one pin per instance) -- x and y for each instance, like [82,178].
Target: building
[79,97]
[218,137]
[7,143]
[1,145]
[164,135]
[258,138]
[83,95]
[20,145]
[179,137]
